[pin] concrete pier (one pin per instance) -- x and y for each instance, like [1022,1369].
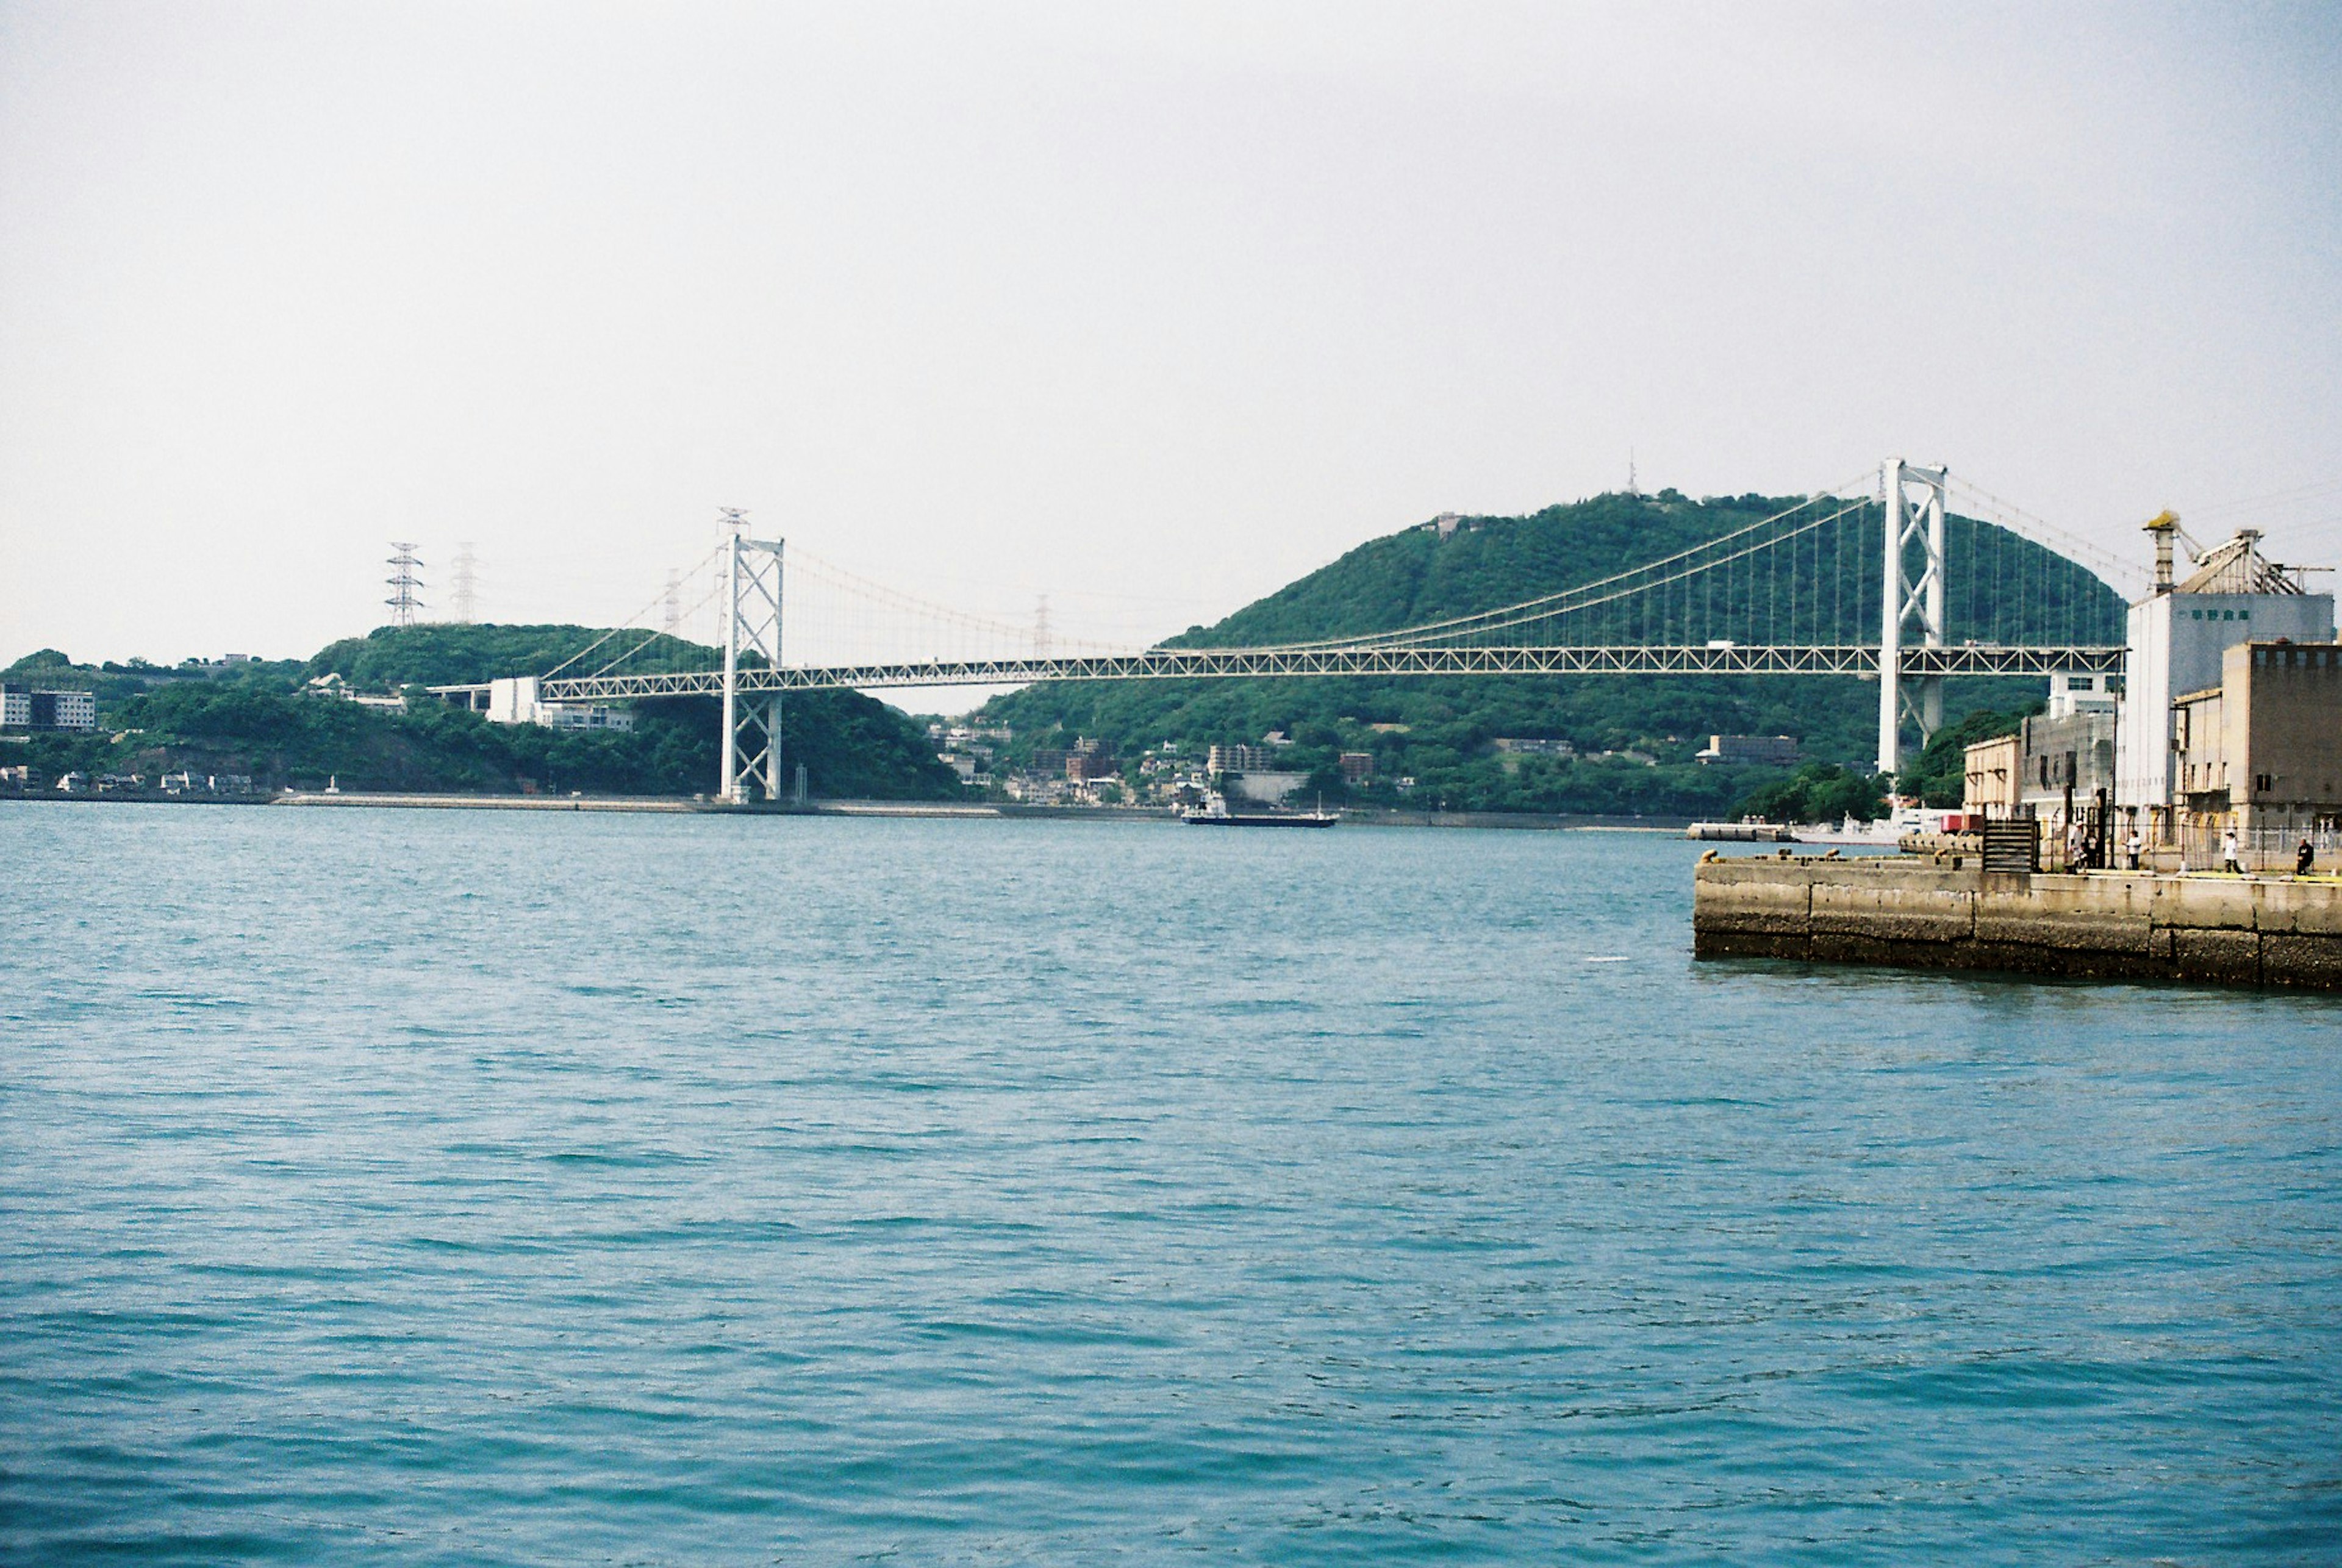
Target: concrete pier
[1904,910]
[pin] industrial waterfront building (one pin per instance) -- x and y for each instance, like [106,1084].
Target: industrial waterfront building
[2067,752]
[1996,770]
[2230,719]
[2262,751]
[2178,636]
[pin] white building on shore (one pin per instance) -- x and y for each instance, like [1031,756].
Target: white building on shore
[516,701]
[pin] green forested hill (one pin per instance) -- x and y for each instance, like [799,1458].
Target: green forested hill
[262,721]
[1439,732]
[446,655]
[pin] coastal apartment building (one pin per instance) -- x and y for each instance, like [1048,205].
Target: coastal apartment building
[1770,751]
[27,708]
[1240,759]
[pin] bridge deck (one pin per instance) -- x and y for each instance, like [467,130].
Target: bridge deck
[1223,663]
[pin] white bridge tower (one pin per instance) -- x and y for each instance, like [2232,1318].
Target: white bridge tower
[1910,606]
[752,637]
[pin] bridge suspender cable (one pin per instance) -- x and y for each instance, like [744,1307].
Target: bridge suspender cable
[704,561]
[1648,567]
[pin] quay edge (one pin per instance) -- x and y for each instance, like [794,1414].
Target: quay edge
[1918,914]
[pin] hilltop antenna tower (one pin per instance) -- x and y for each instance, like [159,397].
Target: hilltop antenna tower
[403,601]
[465,589]
[674,616]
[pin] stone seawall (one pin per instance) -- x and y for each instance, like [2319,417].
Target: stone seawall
[2236,930]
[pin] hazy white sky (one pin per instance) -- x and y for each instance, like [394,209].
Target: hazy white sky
[1148,308]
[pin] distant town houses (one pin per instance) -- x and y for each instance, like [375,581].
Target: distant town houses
[968,751]
[183,783]
[186,783]
[960,737]
[1086,773]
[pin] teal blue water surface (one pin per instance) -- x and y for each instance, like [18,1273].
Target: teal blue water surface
[417,1187]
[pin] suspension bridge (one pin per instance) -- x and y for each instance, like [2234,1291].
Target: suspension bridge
[1947,593]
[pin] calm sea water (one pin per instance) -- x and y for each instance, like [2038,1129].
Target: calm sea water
[454,1187]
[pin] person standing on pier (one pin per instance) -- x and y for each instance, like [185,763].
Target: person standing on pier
[2131,847]
[2305,858]
[2228,853]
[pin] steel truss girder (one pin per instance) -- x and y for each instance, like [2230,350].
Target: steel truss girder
[1233,664]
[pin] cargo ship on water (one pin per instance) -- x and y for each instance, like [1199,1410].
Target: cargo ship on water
[1215,812]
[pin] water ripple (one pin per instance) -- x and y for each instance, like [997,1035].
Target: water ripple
[1016,1193]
